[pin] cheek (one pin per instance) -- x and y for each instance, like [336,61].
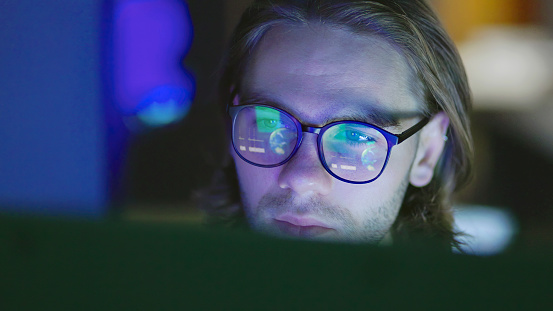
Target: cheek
[254,181]
[382,191]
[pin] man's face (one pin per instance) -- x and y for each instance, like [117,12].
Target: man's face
[319,73]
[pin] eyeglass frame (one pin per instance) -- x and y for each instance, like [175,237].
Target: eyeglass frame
[391,138]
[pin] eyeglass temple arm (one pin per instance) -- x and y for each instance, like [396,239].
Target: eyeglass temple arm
[412,130]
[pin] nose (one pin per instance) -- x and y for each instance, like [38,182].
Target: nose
[304,173]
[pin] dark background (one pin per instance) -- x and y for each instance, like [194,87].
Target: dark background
[56,126]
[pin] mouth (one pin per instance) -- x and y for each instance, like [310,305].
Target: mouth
[301,226]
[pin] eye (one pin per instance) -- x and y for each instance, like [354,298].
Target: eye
[270,123]
[357,137]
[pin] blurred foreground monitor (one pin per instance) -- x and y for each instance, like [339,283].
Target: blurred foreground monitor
[67,265]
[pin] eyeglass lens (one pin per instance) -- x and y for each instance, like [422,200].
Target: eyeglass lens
[352,151]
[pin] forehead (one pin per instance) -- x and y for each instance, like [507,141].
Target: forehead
[314,70]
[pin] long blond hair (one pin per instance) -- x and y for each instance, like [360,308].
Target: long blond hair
[411,26]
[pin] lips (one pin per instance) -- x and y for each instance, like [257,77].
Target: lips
[301,226]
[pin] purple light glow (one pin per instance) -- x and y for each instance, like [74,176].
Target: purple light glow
[150,39]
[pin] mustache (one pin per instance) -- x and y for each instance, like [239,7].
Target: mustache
[280,203]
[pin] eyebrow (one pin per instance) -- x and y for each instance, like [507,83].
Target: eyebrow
[372,114]
[376,117]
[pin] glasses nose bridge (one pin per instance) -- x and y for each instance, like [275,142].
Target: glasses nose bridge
[309,129]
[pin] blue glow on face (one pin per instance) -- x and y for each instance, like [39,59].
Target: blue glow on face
[150,39]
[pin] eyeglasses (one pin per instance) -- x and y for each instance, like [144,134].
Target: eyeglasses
[351,151]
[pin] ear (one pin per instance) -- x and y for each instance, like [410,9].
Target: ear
[431,144]
[236,100]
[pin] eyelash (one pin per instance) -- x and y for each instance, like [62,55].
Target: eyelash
[278,123]
[358,143]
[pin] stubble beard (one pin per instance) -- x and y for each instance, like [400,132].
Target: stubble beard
[372,229]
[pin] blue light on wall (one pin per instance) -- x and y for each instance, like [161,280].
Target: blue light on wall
[488,230]
[52,125]
[150,39]
[70,72]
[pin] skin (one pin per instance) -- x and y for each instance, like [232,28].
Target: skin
[320,73]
